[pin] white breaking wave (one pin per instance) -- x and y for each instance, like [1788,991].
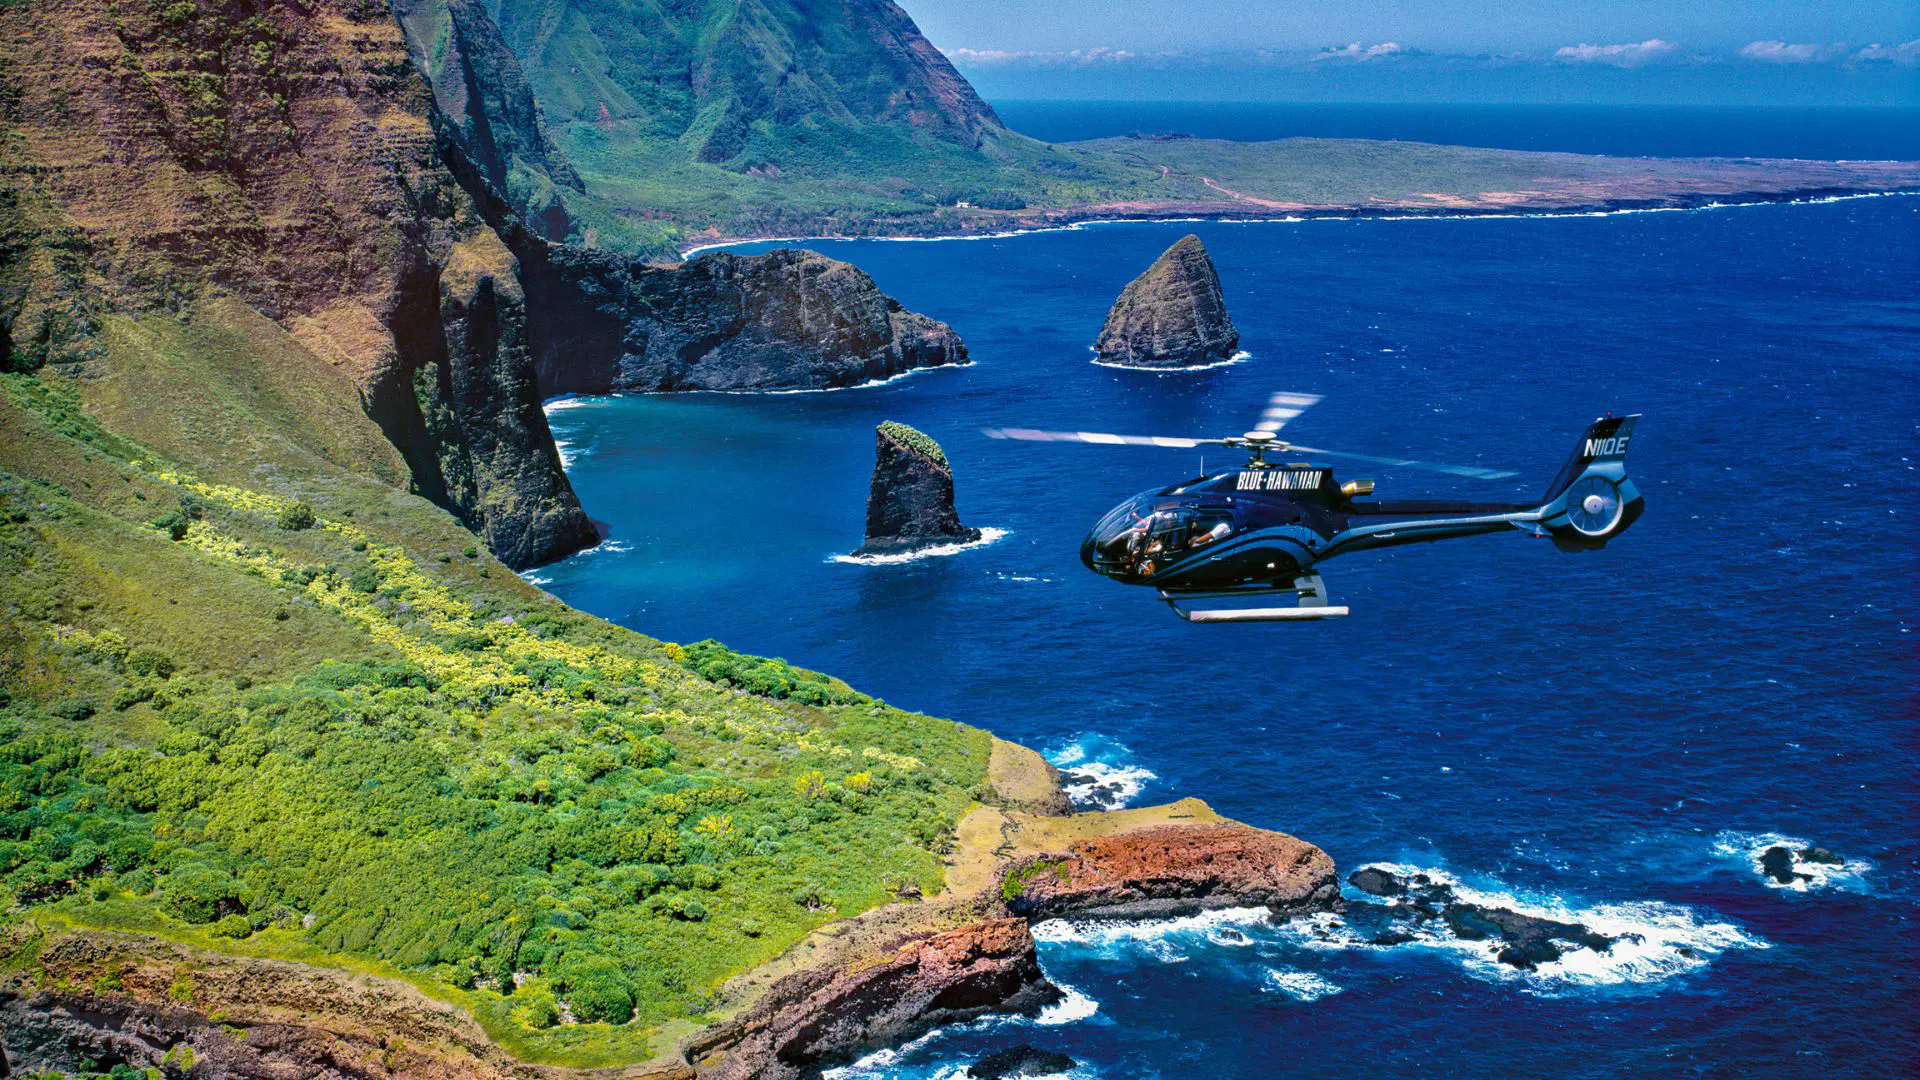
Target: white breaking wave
[892,1061]
[1656,940]
[1240,357]
[1750,847]
[987,536]
[1303,986]
[869,384]
[1107,937]
[1074,1006]
[1109,787]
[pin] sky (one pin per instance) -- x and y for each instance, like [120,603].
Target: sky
[1843,52]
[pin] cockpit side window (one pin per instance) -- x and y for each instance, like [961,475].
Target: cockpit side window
[1140,537]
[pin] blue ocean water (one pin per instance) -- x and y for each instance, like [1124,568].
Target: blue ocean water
[1621,130]
[1612,735]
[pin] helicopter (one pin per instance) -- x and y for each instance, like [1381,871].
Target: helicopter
[1260,532]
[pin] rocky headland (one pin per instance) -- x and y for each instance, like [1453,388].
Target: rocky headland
[910,501]
[1171,316]
[785,320]
[876,979]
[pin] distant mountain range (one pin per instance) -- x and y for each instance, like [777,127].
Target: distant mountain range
[673,124]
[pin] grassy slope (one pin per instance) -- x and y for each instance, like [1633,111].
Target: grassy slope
[364,742]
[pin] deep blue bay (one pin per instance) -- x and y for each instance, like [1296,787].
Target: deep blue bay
[1610,736]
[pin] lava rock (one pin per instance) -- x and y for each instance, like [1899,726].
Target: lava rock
[1376,882]
[1020,1060]
[1523,941]
[1819,855]
[1172,316]
[910,504]
[1777,863]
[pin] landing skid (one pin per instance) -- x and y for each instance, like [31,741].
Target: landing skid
[1311,591]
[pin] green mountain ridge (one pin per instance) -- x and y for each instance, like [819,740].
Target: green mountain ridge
[716,119]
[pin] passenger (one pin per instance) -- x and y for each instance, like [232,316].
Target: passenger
[1219,530]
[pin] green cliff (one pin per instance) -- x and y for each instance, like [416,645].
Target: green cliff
[271,321]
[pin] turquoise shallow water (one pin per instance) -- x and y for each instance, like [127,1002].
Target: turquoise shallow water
[1608,736]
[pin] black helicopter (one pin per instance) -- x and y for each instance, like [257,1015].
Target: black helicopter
[1260,531]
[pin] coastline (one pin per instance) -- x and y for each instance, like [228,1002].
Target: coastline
[855,985]
[1069,220]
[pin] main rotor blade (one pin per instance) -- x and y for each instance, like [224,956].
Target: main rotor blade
[1408,463]
[1099,438]
[1283,408]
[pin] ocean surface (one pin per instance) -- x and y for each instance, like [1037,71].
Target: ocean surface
[1620,130]
[1609,737]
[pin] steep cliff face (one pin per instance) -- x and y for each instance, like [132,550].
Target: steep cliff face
[487,110]
[1171,316]
[159,155]
[786,320]
[822,1015]
[910,503]
[714,75]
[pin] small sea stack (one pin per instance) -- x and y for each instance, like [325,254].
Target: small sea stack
[910,505]
[1172,316]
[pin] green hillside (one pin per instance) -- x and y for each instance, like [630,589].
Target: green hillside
[266,703]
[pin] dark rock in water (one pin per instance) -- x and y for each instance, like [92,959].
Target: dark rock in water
[1020,1061]
[1088,789]
[1777,863]
[1376,882]
[1525,941]
[1820,855]
[910,505]
[1172,316]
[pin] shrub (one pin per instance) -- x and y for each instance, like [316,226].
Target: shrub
[295,516]
[366,579]
[75,708]
[538,1010]
[752,927]
[145,661]
[232,926]
[201,894]
[598,990]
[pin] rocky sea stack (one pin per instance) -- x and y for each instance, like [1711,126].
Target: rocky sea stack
[1172,316]
[910,505]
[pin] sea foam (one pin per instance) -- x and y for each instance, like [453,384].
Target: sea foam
[938,551]
[1099,772]
[1750,847]
[1656,940]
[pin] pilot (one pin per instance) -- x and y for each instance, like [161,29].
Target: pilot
[1219,530]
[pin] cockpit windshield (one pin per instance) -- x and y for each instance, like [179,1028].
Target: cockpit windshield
[1148,532]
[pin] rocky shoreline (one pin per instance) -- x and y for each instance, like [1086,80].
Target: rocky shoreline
[857,984]
[1019,223]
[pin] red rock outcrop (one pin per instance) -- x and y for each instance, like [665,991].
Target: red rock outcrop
[1169,869]
[818,1015]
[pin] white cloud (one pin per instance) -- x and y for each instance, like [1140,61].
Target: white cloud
[1099,54]
[1780,52]
[1906,55]
[1359,53]
[1632,54]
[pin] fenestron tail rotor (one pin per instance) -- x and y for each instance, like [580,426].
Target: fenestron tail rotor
[1281,409]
